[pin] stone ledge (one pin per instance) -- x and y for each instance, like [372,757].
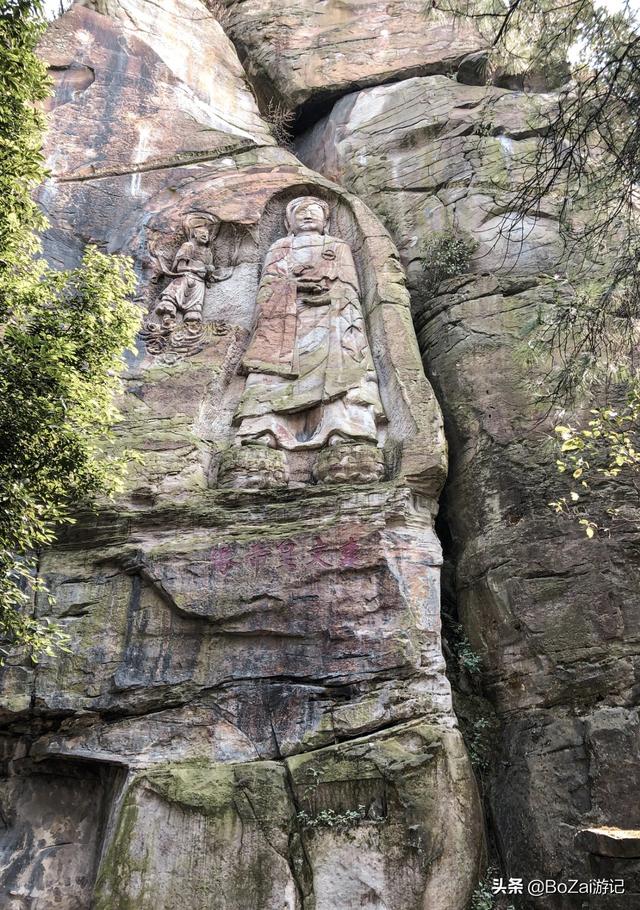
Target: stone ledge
[609,841]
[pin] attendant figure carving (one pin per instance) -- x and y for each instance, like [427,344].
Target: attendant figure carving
[192,271]
[311,381]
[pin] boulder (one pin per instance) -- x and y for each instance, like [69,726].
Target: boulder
[303,55]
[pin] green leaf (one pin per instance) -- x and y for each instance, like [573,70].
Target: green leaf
[62,336]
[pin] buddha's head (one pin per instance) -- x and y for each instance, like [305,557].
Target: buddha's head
[307,215]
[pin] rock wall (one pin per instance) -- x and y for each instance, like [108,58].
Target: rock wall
[553,616]
[253,713]
[304,55]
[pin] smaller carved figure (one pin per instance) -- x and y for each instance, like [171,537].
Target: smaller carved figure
[192,271]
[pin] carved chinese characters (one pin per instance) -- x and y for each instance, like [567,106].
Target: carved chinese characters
[311,382]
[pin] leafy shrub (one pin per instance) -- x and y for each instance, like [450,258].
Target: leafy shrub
[328,818]
[446,255]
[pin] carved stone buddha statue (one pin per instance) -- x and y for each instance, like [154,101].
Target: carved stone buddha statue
[192,269]
[311,382]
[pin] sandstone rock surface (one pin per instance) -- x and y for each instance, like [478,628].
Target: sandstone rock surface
[255,692]
[431,155]
[554,617]
[309,53]
[156,84]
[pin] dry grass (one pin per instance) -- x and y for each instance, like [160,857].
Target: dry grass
[280,120]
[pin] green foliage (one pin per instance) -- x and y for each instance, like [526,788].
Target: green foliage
[468,659]
[62,335]
[483,898]
[606,449]
[582,350]
[445,256]
[23,83]
[477,737]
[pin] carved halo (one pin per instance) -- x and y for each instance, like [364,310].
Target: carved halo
[303,202]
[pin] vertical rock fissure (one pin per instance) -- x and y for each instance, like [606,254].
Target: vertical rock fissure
[302,870]
[470,703]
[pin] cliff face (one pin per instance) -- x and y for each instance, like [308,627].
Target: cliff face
[554,617]
[255,714]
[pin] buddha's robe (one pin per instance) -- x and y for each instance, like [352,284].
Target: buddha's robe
[311,372]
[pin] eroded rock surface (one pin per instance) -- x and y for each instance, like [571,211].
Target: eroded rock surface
[254,704]
[430,155]
[555,617]
[157,84]
[403,790]
[306,53]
